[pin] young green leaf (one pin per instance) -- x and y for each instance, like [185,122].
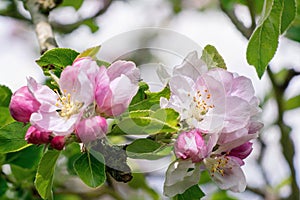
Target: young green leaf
[292,103]
[56,60]
[12,137]
[147,100]
[212,58]
[90,52]
[193,193]
[147,149]
[44,176]
[5,95]
[91,169]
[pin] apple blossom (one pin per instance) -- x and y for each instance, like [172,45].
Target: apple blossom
[209,105]
[59,112]
[23,104]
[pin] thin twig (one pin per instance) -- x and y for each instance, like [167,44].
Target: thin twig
[42,27]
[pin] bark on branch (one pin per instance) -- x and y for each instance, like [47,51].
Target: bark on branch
[42,27]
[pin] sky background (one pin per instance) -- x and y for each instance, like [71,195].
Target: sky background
[19,50]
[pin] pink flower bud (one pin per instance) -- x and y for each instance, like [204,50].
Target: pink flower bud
[241,152]
[91,129]
[35,136]
[191,145]
[58,142]
[23,104]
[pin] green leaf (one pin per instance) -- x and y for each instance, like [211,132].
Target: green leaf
[276,18]
[12,137]
[75,4]
[44,176]
[102,63]
[147,100]
[147,122]
[56,60]
[23,175]
[193,193]
[147,149]
[294,31]
[72,153]
[5,95]
[212,58]
[292,103]
[90,52]
[3,186]
[288,14]
[5,117]
[28,157]
[91,169]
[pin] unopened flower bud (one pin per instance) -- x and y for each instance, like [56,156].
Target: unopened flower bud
[241,152]
[91,129]
[23,104]
[190,145]
[35,136]
[58,142]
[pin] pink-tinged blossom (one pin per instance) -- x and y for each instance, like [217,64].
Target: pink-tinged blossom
[226,172]
[58,142]
[35,136]
[23,104]
[208,103]
[222,161]
[116,86]
[91,129]
[190,145]
[60,111]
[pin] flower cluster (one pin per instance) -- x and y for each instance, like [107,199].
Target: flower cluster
[219,117]
[87,95]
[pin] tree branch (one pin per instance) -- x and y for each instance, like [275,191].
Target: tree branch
[41,25]
[286,142]
[246,32]
[68,28]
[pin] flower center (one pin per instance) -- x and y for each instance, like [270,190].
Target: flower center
[66,106]
[200,104]
[217,164]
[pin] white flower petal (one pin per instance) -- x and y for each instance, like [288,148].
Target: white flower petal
[181,175]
